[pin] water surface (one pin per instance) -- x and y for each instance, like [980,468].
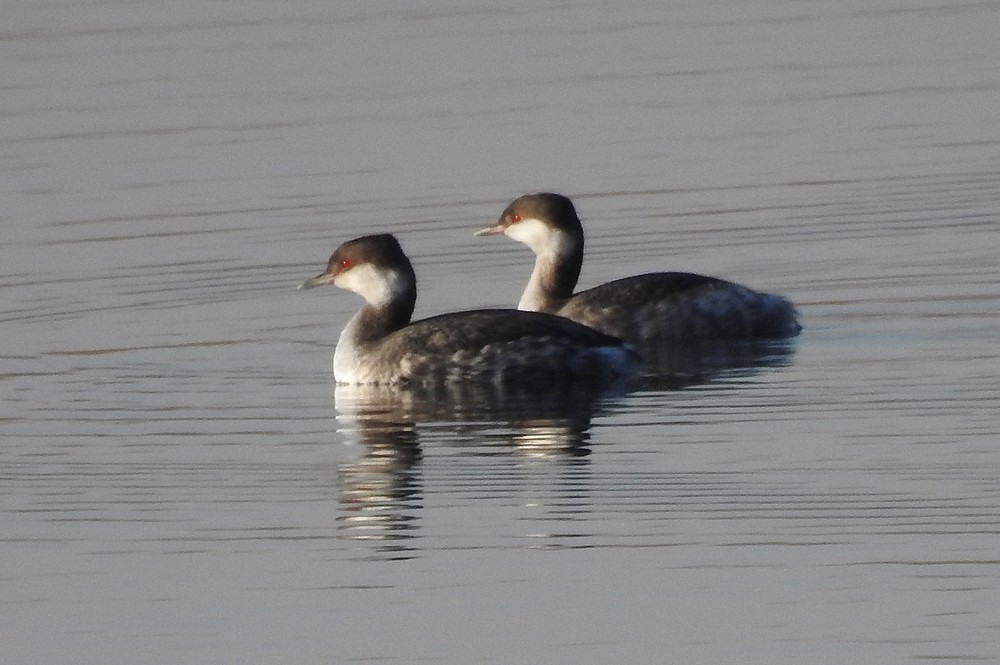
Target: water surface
[182,482]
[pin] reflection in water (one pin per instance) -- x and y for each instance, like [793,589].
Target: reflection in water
[555,421]
[383,489]
[165,492]
[673,366]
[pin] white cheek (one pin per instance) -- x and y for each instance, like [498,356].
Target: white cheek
[531,232]
[542,239]
[378,287]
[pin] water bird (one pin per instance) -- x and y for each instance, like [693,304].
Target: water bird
[676,306]
[380,344]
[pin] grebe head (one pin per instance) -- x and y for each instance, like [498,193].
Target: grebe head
[374,267]
[545,222]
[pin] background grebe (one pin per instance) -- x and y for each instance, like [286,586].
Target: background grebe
[663,305]
[381,346]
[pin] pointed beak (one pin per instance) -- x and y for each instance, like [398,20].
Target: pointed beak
[318,280]
[495,230]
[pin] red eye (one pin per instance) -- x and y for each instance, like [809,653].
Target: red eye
[345,264]
[516,218]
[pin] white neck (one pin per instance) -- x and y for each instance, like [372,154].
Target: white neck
[534,298]
[552,247]
[346,359]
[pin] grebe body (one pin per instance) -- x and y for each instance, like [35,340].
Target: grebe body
[380,345]
[655,306]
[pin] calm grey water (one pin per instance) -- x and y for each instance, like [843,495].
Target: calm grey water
[182,482]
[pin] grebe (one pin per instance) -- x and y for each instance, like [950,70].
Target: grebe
[380,345]
[656,306]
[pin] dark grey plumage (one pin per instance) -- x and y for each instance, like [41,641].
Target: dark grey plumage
[381,346]
[656,306]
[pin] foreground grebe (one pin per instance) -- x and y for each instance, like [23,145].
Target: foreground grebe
[655,306]
[381,346]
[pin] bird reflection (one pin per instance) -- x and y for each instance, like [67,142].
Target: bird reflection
[682,365]
[382,490]
[552,421]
